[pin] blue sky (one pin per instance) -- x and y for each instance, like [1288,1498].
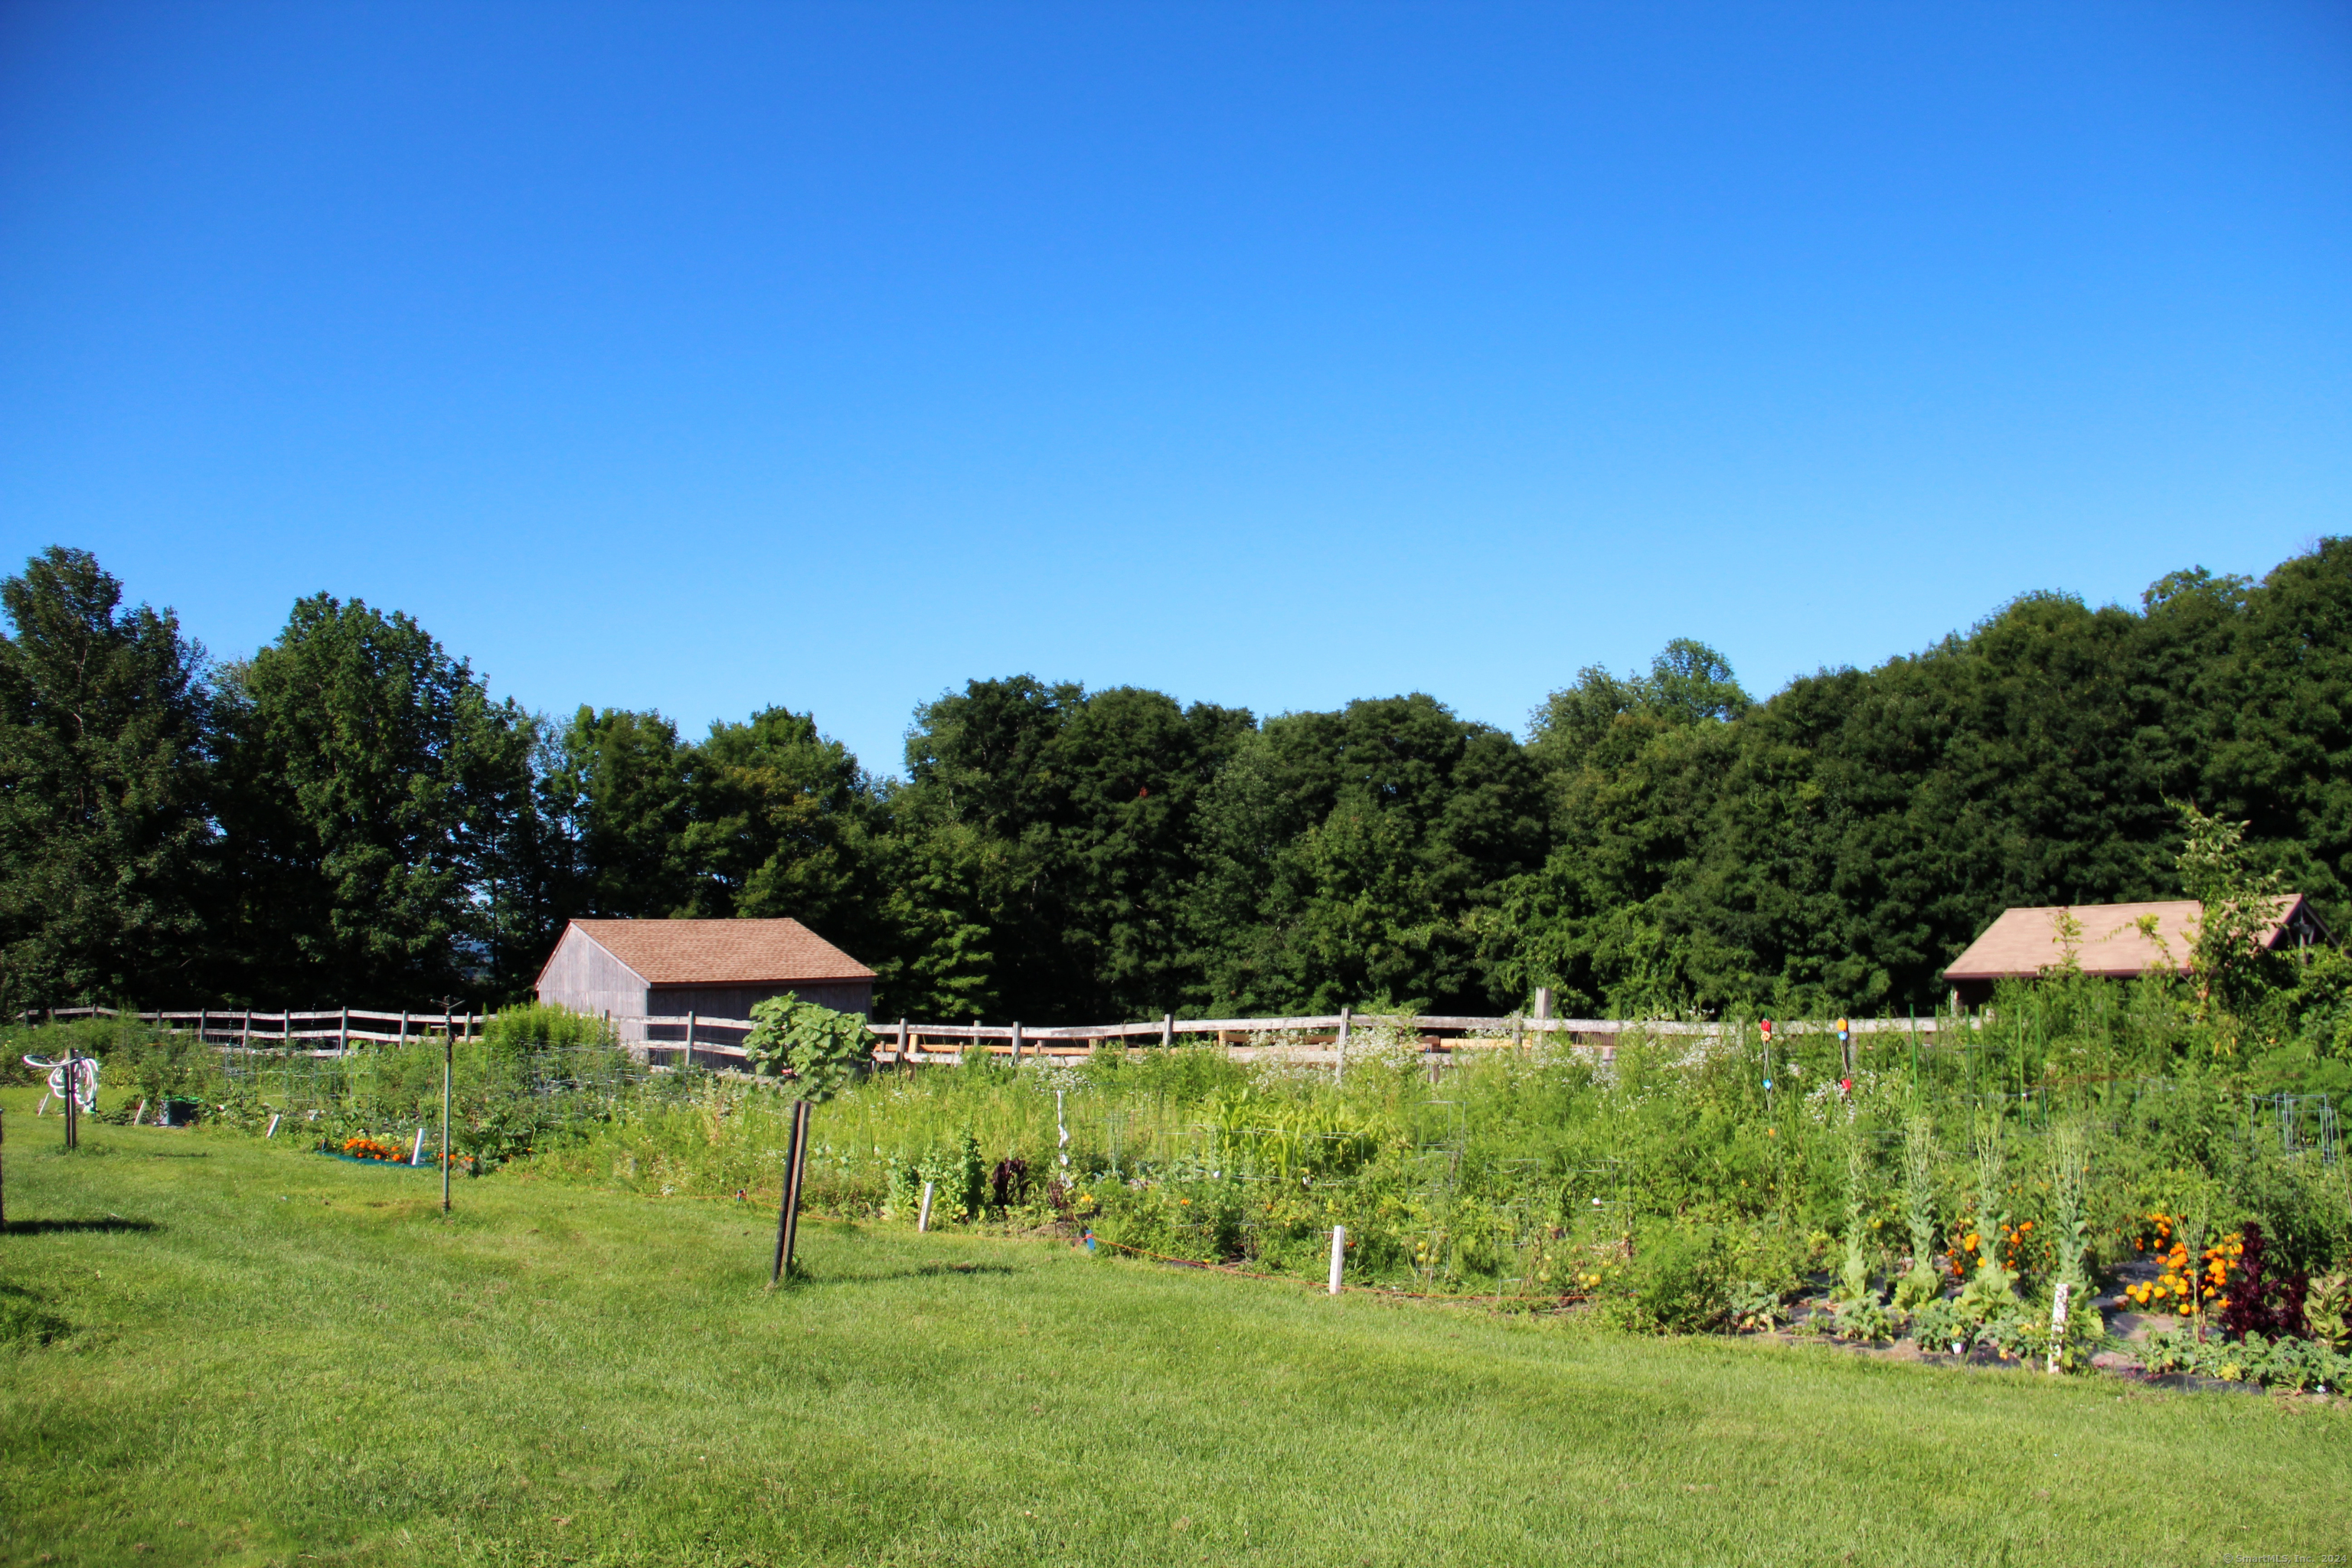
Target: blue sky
[703,357]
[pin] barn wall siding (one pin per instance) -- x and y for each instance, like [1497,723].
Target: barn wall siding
[583,976]
[735,1001]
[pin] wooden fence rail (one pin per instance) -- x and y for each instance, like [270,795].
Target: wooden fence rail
[1315,1037]
[251,1028]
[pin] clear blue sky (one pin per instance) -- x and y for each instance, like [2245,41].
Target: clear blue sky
[708,357]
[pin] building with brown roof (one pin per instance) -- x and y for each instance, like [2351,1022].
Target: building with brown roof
[2117,941]
[661,969]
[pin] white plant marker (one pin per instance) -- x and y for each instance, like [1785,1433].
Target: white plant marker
[1062,1128]
[272,1131]
[2058,1320]
[416,1156]
[923,1220]
[1338,1254]
[42,1108]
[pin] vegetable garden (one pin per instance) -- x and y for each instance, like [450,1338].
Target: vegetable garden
[2104,1138]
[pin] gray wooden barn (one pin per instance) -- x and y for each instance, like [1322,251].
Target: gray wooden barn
[660,969]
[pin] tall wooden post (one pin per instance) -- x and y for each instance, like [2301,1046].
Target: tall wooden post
[1339,1068]
[686,1057]
[1166,1030]
[788,1217]
[343,1032]
[403,1026]
[245,1031]
[448,1060]
[1016,1042]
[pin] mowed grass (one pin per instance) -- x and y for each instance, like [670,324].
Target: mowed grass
[272,1357]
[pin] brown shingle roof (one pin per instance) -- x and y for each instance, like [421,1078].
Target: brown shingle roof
[722,952]
[2025,941]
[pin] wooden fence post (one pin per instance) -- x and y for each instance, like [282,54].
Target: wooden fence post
[1340,1071]
[686,1057]
[245,1031]
[1166,1030]
[403,1026]
[343,1032]
[448,1057]
[1016,1042]
[788,1219]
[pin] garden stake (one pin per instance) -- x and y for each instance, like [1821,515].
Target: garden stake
[272,1131]
[1338,1254]
[2058,1320]
[73,1099]
[788,1217]
[416,1154]
[923,1220]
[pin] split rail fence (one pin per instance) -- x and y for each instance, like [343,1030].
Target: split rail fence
[684,1038]
[341,1027]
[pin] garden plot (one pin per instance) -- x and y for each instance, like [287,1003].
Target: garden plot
[231,1352]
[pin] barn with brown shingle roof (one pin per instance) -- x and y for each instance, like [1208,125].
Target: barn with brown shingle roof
[2117,941]
[669,969]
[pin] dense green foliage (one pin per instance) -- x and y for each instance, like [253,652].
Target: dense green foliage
[350,817]
[822,1050]
[102,756]
[220,1350]
[1669,1184]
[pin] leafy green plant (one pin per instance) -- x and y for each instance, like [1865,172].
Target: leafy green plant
[820,1048]
[1860,1313]
[1990,1292]
[1678,1282]
[1939,1325]
[1921,1282]
[1865,1317]
[2327,1310]
[1756,1306]
[2070,1172]
[519,1032]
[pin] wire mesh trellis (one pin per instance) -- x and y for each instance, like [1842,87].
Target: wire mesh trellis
[2307,1124]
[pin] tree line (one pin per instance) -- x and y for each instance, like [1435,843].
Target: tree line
[349,816]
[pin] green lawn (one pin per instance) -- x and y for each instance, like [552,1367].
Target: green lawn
[272,1357]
